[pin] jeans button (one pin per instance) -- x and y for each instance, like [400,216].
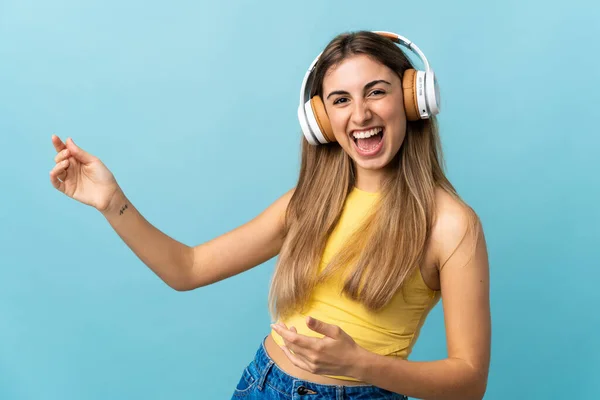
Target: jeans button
[302,390]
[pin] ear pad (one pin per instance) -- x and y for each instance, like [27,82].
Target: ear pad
[411,106]
[322,119]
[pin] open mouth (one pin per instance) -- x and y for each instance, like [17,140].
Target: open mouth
[368,142]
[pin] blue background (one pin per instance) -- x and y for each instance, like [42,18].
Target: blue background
[192,105]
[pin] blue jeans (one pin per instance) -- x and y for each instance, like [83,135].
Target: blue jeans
[263,379]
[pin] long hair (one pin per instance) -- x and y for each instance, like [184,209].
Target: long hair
[391,244]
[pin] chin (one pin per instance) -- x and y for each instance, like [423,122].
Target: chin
[372,165]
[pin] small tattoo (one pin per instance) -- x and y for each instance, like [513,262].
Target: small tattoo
[123,209]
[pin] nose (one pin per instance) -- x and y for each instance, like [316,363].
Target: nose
[361,113]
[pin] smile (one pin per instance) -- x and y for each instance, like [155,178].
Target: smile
[368,142]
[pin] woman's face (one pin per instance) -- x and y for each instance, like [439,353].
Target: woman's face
[363,99]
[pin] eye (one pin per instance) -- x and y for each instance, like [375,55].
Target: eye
[340,100]
[377,92]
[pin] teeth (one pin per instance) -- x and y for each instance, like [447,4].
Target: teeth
[366,134]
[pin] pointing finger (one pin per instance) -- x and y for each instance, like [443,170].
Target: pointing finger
[58,144]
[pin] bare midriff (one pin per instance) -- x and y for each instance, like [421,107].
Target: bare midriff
[284,363]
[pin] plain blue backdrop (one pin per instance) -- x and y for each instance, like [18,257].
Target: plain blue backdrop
[192,105]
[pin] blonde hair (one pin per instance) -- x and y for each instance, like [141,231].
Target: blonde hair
[391,244]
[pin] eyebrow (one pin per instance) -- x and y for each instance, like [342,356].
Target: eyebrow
[367,87]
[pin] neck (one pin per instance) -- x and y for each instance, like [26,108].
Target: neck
[369,180]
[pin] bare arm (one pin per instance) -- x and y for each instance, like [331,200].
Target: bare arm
[247,246]
[185,268]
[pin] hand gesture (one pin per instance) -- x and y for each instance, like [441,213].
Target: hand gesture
[82,176]
[334,354]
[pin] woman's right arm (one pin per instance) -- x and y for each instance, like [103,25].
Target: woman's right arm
[85,178]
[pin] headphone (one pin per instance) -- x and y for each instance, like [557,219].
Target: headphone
[420,89]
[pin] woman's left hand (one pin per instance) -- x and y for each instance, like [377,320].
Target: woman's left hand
[334,354]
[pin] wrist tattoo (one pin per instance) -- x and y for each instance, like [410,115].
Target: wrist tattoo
[122,210]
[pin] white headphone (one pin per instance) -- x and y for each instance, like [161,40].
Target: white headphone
[420,88]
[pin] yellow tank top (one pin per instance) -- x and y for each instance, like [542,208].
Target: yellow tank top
[393,330]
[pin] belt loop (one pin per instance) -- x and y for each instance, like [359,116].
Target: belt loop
[340,392]
[263,375]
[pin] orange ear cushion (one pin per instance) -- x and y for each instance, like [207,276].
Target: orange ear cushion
[322,119]
[411,106]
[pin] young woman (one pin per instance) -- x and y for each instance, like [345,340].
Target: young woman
[369,240]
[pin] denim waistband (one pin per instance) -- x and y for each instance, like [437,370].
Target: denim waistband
[269,373]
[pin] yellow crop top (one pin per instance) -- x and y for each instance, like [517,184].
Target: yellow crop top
[393,330]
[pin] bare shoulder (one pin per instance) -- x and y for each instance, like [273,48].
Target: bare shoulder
[456,224]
